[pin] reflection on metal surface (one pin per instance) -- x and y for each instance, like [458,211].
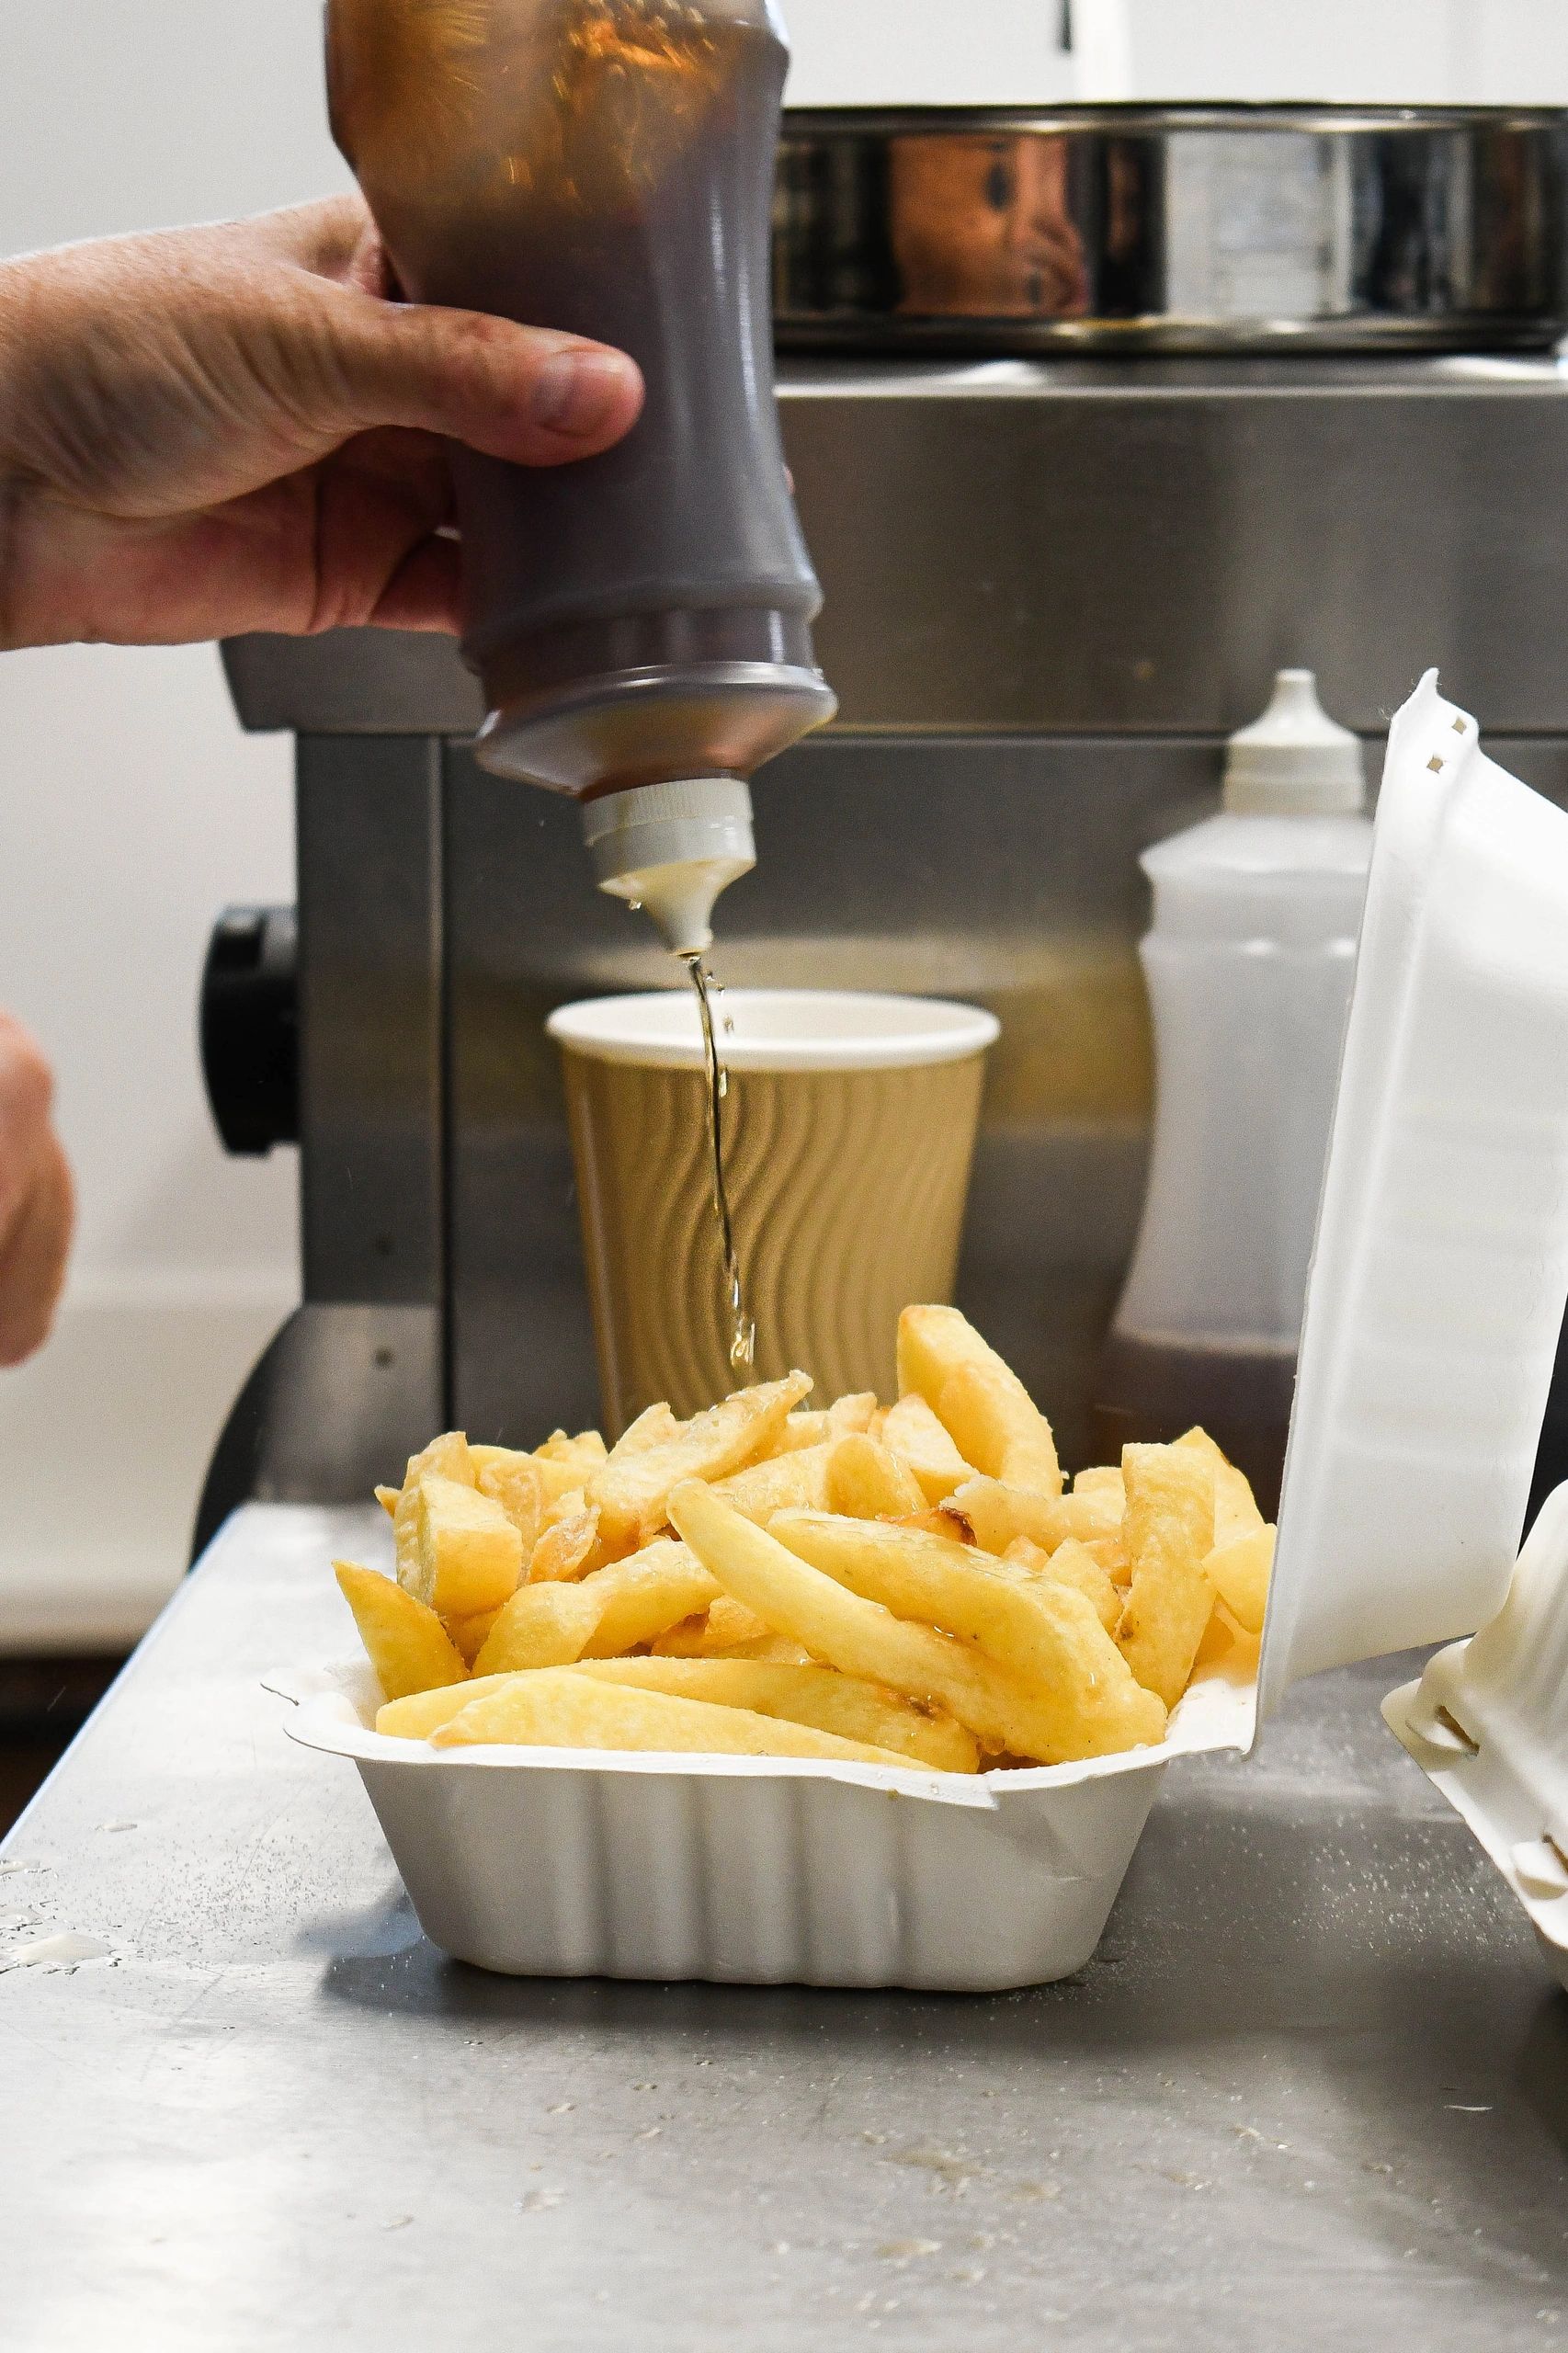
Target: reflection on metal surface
[1180,228]
[1070,547]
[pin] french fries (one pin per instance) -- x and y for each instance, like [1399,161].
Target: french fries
[867,1479]
[467,1554]
[1238,1570]
[796,1478]
[1040,1629]
[406,1644]
[1006,1710]
[986,1410]
[817,1696]
[911,1429]
[1170,1534]
[612,1610]
[912,1586]
[565,1708]
[630,1496]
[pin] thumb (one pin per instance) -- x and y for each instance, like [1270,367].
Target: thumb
[525,394]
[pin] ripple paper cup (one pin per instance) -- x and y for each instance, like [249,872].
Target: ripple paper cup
[850,1134]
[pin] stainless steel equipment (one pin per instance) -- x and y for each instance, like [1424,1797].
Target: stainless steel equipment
[1052,588]
[1173,227]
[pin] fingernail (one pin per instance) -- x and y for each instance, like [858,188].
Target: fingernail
[576,391]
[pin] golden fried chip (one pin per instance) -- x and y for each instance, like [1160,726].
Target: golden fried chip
[992,1419]
[1082,1716]
[467,1556]
[1169,1531]
[797,1479]
[1238,1569]
[1072,1564]
[866,1481]
[652,1427]
[818,1695]
[406,1644]
[564,1709]
[912,1429]
[566,1550]
[515,1482]
[631,1496]
[611,1610]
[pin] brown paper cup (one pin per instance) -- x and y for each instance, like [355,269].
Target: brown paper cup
[849,1135]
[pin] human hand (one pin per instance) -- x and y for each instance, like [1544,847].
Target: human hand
[208,431]
[37,1204]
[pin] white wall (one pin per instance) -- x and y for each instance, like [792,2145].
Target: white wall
[131,810]
[131,807]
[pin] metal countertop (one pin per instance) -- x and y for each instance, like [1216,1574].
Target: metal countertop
[1313,2090]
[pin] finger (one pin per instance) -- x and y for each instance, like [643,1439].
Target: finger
[26,1093]
[424,592]
[33,1262]
[523,393]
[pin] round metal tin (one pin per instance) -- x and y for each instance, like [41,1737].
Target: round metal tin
[1178,228]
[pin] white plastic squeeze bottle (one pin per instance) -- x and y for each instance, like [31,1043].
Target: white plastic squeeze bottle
[1249,966]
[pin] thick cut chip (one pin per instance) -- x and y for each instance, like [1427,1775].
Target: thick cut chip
[406,1644]
[723,1626]
[612,1610]
[567,1550]
[785,1481]
[1237,1511]
[470,1634]
[941,1522]
[1226,1651]
[989,1413]
[652,1427]
[513,1481]
[863,1638]
[1040,1629]
[998,1515]
[467,1555]
[844,1418]
[448,1457]
[866,1481]
[416,1718]
[632,1496]
[1238,1571]
[568,1710]
[566,1464]
[1106,1479]
[911,1429]
[1169,1531]
[818,1695]
[1111,1554]
[1072,1564]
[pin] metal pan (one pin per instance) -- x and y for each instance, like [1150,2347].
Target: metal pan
[1180,228]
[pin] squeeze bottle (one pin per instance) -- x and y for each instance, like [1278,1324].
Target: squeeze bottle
[640,620]
[1249,967]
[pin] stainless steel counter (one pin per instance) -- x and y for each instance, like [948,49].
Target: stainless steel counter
[1313,2090]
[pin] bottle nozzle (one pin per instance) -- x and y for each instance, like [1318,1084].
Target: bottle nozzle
[672,849]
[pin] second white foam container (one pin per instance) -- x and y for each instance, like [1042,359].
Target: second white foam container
[1437,1298]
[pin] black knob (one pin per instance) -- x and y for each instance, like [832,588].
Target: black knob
[250,1042]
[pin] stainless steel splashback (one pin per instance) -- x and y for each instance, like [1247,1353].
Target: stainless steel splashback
[1051,589]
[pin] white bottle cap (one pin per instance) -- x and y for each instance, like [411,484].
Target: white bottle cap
[672,849]
[1295,760]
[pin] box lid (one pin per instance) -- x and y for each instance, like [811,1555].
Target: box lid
[1441,1269]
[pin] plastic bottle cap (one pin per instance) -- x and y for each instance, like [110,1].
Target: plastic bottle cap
[1295,760]
[673,848]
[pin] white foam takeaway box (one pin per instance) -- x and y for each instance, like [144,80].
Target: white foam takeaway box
[1435,1302]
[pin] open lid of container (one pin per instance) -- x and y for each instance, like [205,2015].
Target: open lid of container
[1440,1270]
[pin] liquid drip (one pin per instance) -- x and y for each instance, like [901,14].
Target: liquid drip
[743,1328]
